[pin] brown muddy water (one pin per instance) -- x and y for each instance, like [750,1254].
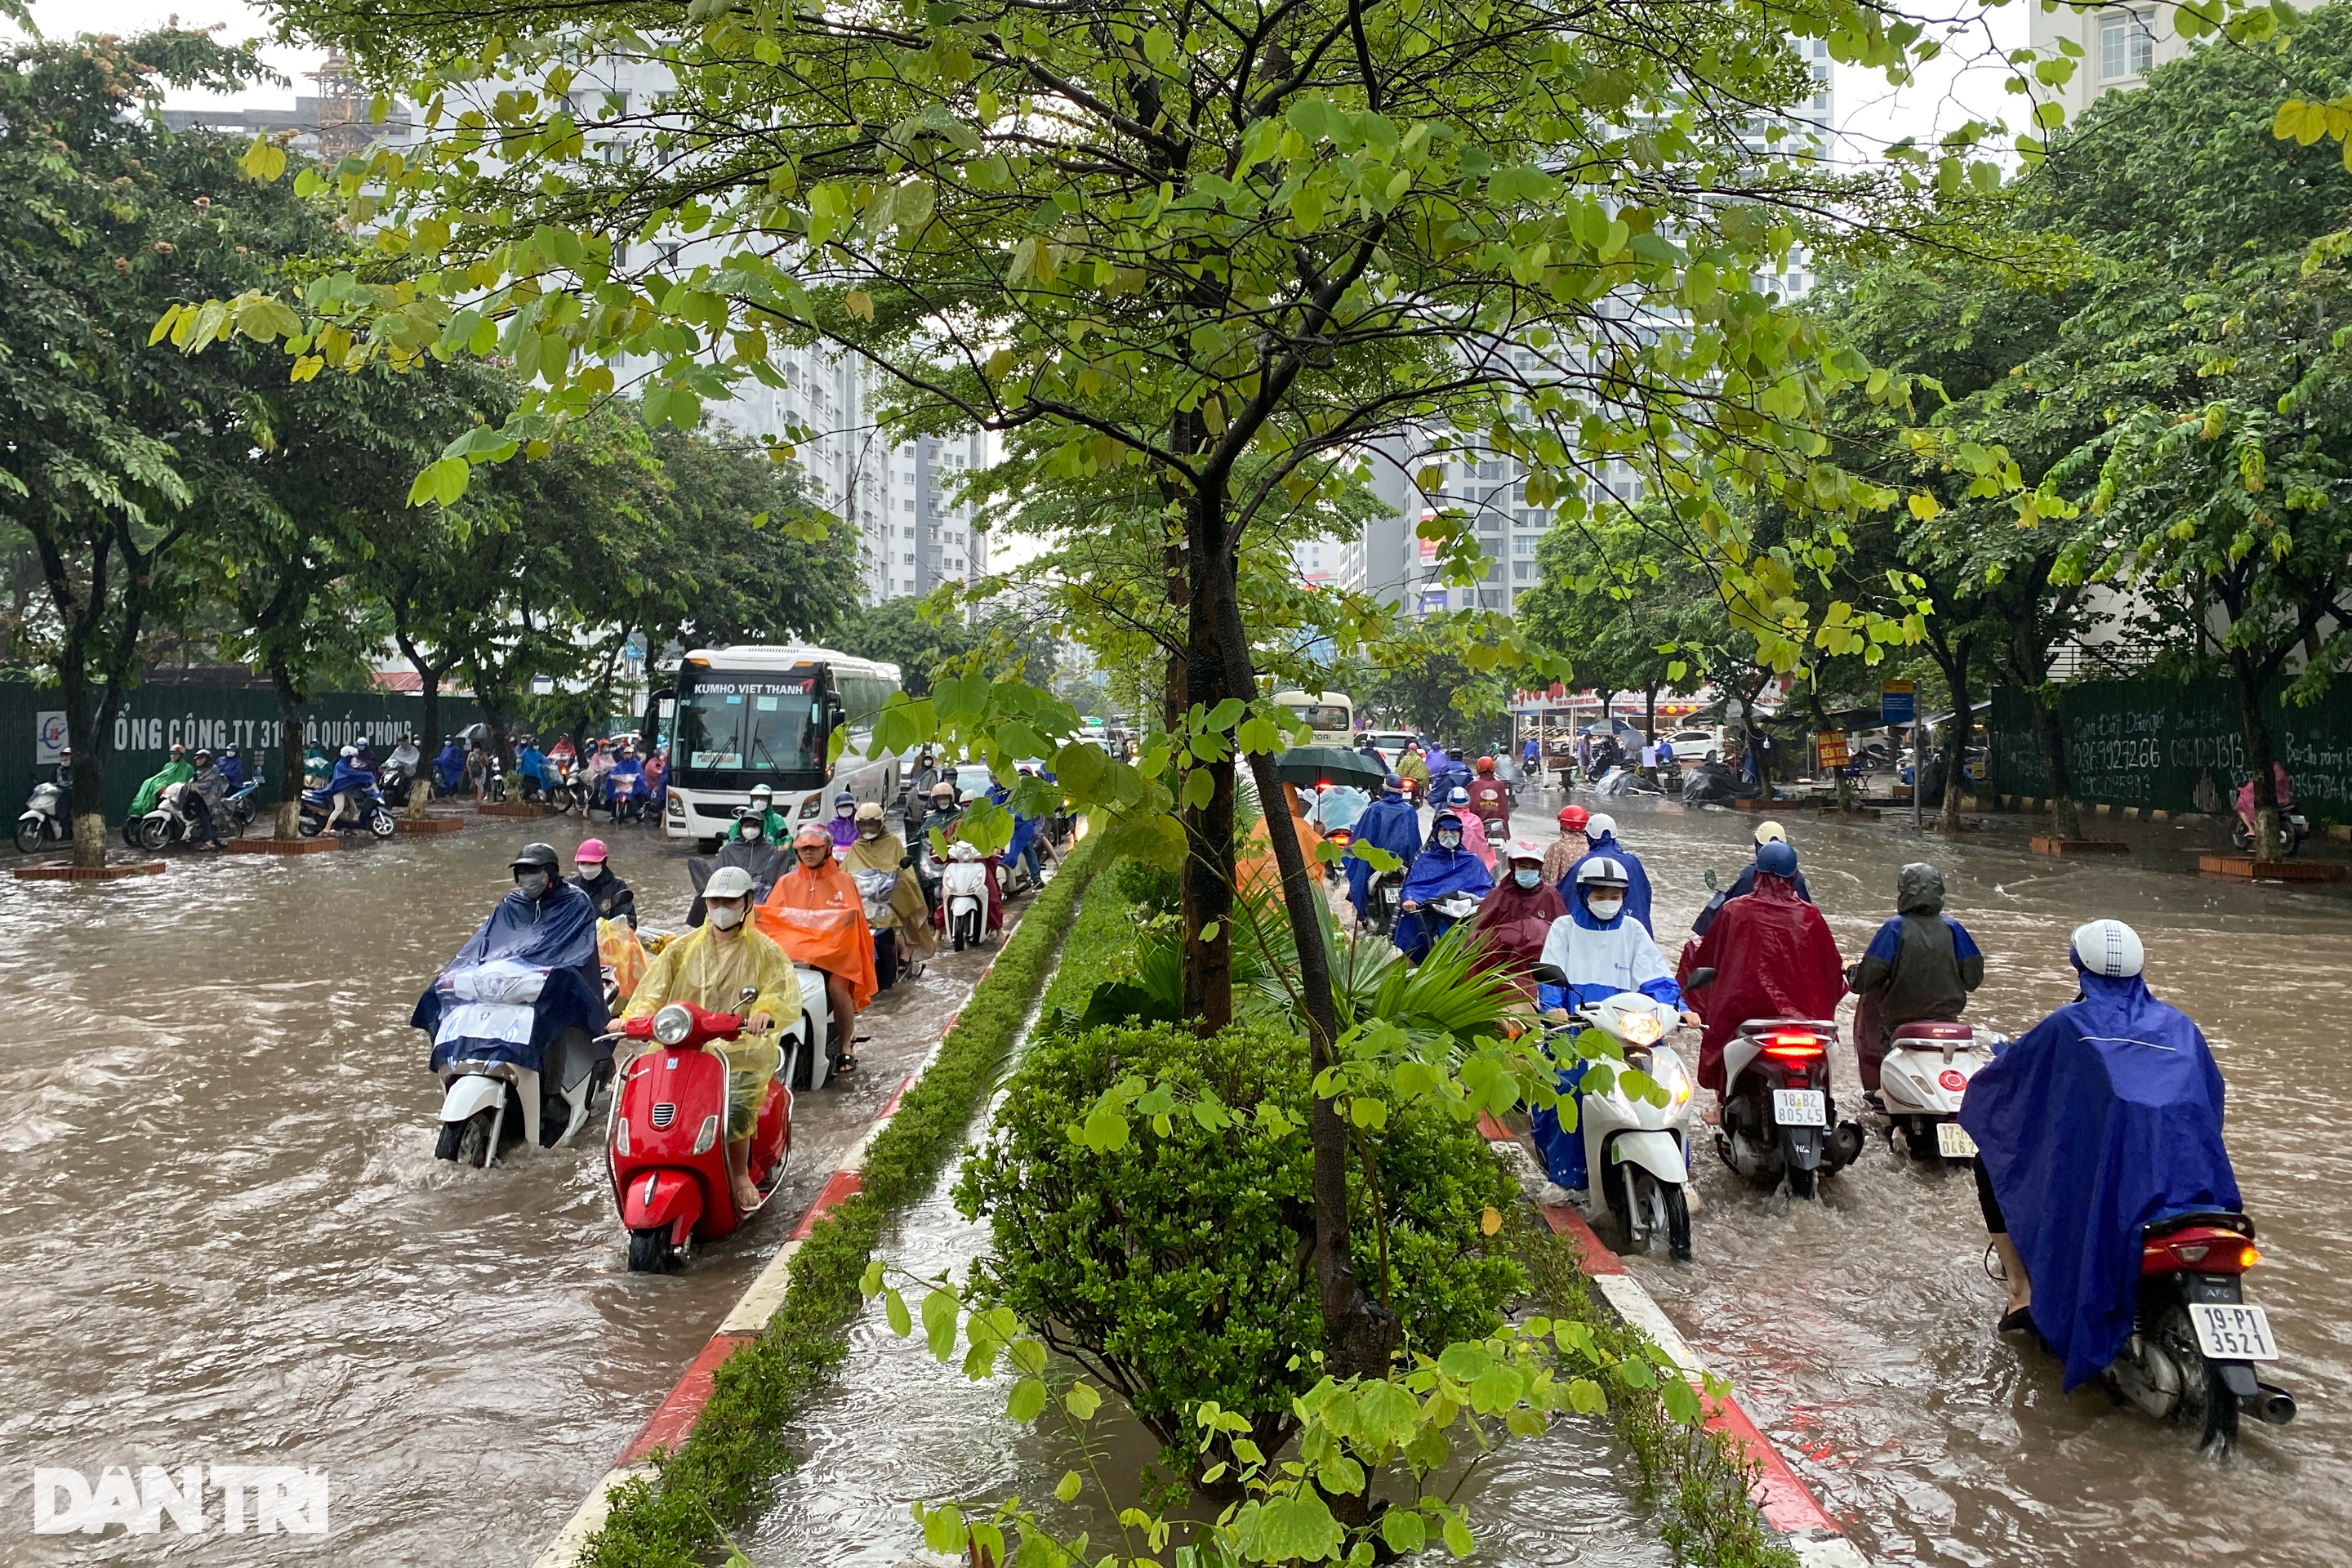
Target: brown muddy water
[228,1242]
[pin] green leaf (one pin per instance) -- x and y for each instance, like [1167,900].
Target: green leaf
[902,1322]
[1068,1487]
[1082,1401]
[1404,1531]
[940,1310]
[1298,1528]
[1458,1539]
[1027,1400]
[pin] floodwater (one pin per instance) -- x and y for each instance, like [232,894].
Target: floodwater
[227,1241]
[899,1427]
[1859,1332]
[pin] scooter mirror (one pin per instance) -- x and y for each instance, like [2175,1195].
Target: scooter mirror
[1700,977]
[1712,886]
[1549,975]
[749,994]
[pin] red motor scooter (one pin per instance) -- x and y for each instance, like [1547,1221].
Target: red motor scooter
[666,1148]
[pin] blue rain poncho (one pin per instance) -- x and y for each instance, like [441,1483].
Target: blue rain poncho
[349,775]
[1637,880]
[2104,1119]
[1437,873]
[1390,824]
[527,974]
[450,768]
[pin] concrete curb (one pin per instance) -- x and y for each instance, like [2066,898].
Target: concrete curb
[673,1420]
[1787,1504]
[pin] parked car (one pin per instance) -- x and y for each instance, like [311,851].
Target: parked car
[1696,745]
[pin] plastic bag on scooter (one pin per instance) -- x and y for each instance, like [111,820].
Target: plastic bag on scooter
[553,938]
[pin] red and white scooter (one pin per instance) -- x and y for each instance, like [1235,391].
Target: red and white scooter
[666,1148]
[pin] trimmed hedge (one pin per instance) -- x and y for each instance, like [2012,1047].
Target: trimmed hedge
[675,1519]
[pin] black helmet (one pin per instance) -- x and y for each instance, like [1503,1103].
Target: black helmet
[534,857]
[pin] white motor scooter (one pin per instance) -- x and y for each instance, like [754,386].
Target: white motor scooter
[488,1104]
[1921,1083]
[963,891]
[1638,1153]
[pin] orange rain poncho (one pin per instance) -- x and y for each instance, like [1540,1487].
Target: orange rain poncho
[618,950]
[1257,864]
[818,919]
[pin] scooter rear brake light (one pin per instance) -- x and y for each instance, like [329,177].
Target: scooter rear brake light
[1793,1045]
[2202,1251]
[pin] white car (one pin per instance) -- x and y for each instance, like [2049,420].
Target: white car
[1695,745]
[1391,744]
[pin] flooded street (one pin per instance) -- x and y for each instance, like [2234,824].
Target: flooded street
[1859,1332]
[229,1241]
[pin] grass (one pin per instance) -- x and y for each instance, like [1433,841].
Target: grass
[679,1516]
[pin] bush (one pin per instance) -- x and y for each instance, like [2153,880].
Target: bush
[1177,1269]
[1153,889]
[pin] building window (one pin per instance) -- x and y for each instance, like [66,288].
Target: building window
[910,560]
[2127,46]
[1522,570]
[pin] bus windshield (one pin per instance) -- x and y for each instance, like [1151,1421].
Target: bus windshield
[1324,718]
[755,723]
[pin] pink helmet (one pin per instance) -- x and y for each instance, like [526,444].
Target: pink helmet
[589,849]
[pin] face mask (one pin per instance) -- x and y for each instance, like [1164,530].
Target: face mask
[751,834]
[726,917]
[846,811]
[871,830]
[1604,909]
[1449,841]
[1525,878]
[532,883]
[590,871]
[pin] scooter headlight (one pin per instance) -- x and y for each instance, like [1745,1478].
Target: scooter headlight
[673,1024]
[1639,1028]
[1678,1089]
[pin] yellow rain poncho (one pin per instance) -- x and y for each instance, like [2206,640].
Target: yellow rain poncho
[618,950]
[705,968]
[909,916]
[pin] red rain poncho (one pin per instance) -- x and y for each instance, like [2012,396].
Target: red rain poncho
[1773,957]
[1510,927]
[818,919]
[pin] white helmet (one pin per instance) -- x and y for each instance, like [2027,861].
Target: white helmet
[1770,832]
[1523,849]
[2108,948]
[1601,871]
[1600,825]
[351,752]
[728,882]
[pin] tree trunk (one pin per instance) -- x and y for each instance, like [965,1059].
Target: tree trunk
[1208,880]
[2270,842]
[88,804]
[2050,731]
[289,823]
[1955,761]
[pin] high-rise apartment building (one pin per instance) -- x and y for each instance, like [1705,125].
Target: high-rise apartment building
[2120,44]
[1392,561]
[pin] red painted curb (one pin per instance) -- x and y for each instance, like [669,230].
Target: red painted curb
[890,1107]
[839,1187]
[1598,1258]
[668,1425]
[1492,1131]
[1786,1503]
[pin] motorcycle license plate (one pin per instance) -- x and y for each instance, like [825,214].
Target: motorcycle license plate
[1952,1141]
[2232,1330]
[1800,1107]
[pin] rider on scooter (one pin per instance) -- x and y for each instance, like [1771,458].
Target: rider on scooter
[1444,867]
[1490,797]
[1389,824]
[1767,832]
[763,811]
[1514,920]
[748,850]
[816,911]
[1601,833]
[710,967]
[1920,967]
[351,781]
[1773,957]
[613,896]
[1603,951]
[2102,1119]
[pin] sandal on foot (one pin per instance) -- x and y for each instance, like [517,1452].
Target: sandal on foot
[846,1065]
[2020,1320]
